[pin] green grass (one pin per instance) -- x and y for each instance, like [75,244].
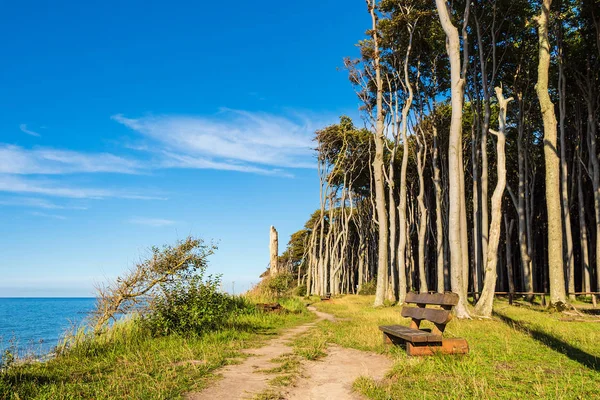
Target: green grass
[522,352]
[131,364]
[519,353]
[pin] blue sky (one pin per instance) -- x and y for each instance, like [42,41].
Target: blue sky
[130,124]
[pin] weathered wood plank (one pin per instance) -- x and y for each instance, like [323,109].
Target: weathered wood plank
[440,299]
[411,335]
[430,314]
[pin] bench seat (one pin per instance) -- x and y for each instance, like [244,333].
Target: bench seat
[410,334]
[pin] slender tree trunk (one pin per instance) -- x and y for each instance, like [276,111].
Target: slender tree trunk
[393,223]
[595,171]
[521,209]
[529,212]
[440,241]
[476,214]
[555,230]
[564,179]
[508,228]
[382,218]
[583,235]
[392,207]
[402,206]
[421,158]
[455,167]
[485,303]
[485,127]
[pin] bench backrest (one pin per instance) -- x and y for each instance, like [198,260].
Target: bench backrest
[440,317]
[441,299]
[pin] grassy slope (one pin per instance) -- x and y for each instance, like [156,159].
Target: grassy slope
[520,353]
[136,366]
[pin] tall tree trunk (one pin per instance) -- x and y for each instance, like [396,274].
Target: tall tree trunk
[555,231]
[485,127]
[393,223]
[485,303]
[392,204]
[464,230]
[382,218]
[455,167]
[508,228]
[595,167]
[402,206]
[583,235]
[439,223]
[564,178]
[521,201]
[421,159]
[476,216]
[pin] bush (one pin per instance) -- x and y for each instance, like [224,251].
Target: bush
[192,306]
[279,284]
[368,288]
[300,291]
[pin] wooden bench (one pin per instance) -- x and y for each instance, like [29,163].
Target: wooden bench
[422,342]
[326,297]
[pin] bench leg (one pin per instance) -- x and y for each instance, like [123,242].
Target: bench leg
[389,340]
[447,346]
[386,340]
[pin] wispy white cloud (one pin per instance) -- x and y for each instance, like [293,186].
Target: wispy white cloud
[34,202]
[155,222]
[232,140]
[19,184]
[23,128]
[48,161]
[45,215]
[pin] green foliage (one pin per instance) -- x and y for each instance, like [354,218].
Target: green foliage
[300,291]
[368,288]
[143,282]
[279,284]
[192,306]
[8,359]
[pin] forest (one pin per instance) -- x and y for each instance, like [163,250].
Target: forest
[474,167]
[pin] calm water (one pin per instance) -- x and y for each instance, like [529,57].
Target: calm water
[36,324]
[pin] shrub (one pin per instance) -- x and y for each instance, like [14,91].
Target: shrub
[8,359]
[368,288]
[300,291]
[192,306]
[280,284]
[164,265]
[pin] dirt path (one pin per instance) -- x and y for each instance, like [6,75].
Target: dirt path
[329,378]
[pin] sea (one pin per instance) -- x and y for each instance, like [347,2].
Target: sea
[32,327]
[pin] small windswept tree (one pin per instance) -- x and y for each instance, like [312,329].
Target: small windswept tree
[141,284]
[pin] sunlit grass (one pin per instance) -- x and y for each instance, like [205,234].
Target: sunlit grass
[534,356]
[130,363]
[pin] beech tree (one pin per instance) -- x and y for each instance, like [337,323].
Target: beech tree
[404,199]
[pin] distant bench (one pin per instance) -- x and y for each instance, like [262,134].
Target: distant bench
[422,342]
[326,296]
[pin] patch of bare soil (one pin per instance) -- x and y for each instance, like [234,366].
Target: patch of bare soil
[332,377]
[329,378]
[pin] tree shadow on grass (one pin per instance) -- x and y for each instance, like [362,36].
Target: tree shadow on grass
[589,360]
